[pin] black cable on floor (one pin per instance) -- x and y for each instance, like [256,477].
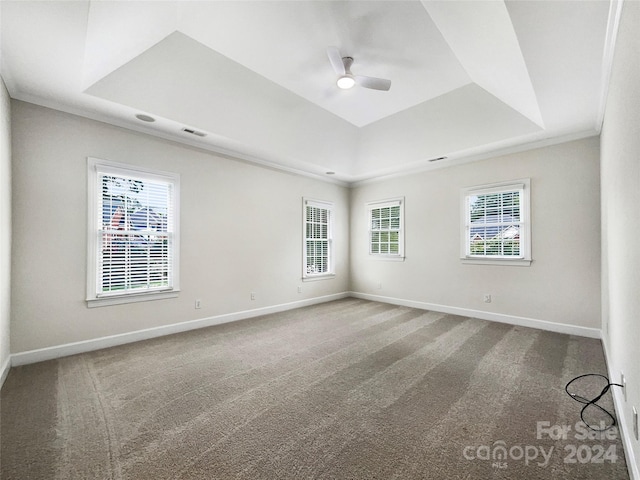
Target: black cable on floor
[593,401]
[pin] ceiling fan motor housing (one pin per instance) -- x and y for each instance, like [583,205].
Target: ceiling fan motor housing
[348,61]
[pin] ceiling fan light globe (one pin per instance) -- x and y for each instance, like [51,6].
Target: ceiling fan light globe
[345,82]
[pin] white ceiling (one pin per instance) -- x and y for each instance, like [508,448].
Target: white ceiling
[468,77]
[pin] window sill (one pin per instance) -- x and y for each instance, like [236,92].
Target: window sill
[516,262]
[130,298]
[323,276]
[388,258]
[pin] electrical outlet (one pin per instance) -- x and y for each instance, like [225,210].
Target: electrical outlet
[299,289]
[379,285]
[635,423]
[487,298]
[623,382]
[253,295]
[197,304]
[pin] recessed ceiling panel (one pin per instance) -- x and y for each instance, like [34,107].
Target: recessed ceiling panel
[493,57]
[563,44]
[119,31]
[286,42]
[462,119]
[43,46]
[182,79]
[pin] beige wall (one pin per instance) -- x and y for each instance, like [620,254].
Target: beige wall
[5,224]
[563,282]
[241,231]
[620,159]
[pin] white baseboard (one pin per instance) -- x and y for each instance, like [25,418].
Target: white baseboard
[58,351]
[495,317]
[4,370]
[623,421]
[50,353]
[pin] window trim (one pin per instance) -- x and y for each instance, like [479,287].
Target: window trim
[96,166]
[525,259]
[390,202]
[329,206]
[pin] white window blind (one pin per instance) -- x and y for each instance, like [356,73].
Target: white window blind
[317,246]
[496,224]
[135,232]
[386,228]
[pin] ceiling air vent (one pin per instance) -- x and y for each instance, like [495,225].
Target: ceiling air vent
[145,118]
[194,132]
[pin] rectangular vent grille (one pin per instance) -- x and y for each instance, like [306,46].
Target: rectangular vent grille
[194,132]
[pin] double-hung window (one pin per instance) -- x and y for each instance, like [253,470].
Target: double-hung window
[133,234]
[317,239]
[496,223]
[386,229]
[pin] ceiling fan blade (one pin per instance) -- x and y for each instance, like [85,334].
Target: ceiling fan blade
[372,82]
[336,60]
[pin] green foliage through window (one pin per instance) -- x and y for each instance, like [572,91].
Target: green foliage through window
[385,230]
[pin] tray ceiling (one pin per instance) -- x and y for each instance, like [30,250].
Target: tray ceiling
[468,78]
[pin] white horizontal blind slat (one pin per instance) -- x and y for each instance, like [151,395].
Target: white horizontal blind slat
[317,243]
[494,222]
[135,233]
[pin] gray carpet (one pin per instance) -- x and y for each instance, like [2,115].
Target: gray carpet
[347,389]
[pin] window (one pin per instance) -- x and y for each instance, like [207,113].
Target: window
[496,223]
[317,245]
[386,229]
[133,234]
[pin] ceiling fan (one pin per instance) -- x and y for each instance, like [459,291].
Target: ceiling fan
[342,67]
